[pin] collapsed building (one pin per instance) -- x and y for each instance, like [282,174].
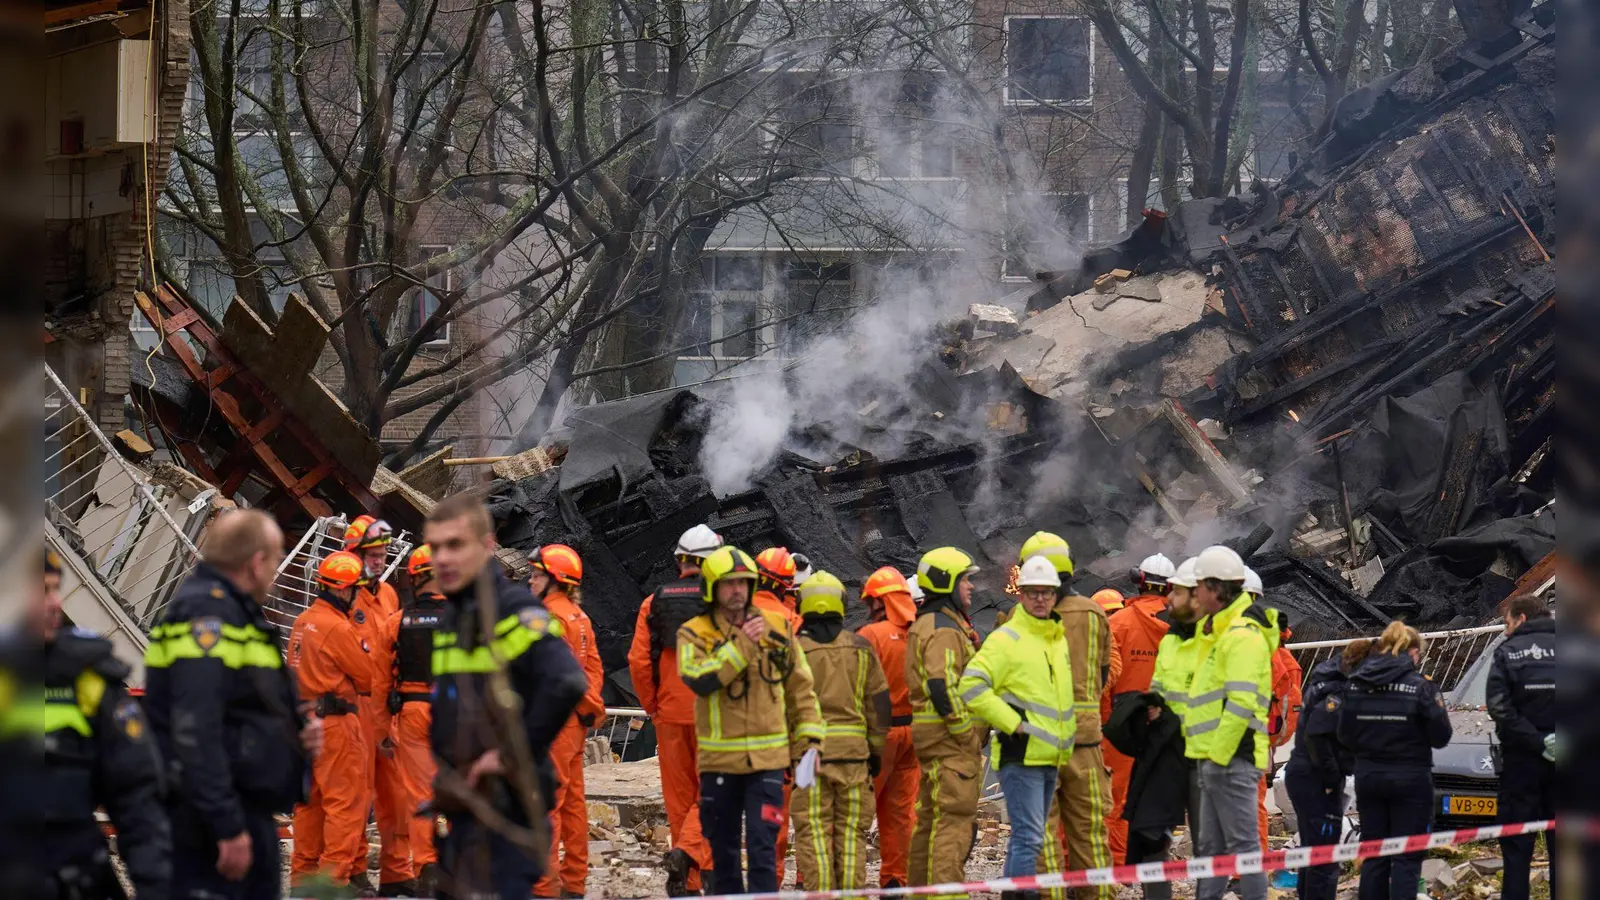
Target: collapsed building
[1348,377]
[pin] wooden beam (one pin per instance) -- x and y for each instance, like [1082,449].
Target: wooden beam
[63,14]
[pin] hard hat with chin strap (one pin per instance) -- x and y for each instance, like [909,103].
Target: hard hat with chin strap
[560,562]
[419,564]
[775,564]
[1050,546]
[1038,571]
[725,564]
[822,595]
[340,570]
[1184,576]
[940,570]
[1157,567]
[697,543]
[1219,563]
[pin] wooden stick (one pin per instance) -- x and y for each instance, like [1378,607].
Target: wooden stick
[1506,203]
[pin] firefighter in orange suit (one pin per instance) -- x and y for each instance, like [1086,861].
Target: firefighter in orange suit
[410,637]
[653,667]
[557,573]
[333,666]
[775,571]
[1283,715]
[1136,632]
[376,602]
[888,600]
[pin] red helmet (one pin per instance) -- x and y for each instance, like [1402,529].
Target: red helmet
[561,562]
[367,531]
[419,564]
[776,564]
[888,585]
[340,570]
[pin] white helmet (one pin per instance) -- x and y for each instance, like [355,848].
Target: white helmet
[802,569]
[1219,562]
[1184,576]
[1038,572]
[1252,582]
[916,591]
[698,542]
[1158,568]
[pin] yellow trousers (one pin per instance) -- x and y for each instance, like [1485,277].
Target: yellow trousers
[947,804]
[1077,821]
[831,820]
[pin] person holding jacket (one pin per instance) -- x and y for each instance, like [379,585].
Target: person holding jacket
[1391,720]
[376,602]
[1319,765]
[225,711]
[557,572]
[1521,696]
[81,741]
[1136,631]
[1077,822]
[332,663]
[755,717]
[949,744]
[1021,683]
[410,638]
[653,668]
[887,597]
[504,686]
[1225,726]
[832,817]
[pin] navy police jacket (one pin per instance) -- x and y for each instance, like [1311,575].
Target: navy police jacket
[1391,717]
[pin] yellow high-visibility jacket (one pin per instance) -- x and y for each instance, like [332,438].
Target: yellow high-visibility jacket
[852,695]
[1232,685]
[756,709]
[1020,682]
[1176,658]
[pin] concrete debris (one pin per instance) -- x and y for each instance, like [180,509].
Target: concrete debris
[1437,875]
[984,317]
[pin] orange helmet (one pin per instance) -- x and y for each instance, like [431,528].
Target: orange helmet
[888,585]
[1109,600]
[340,570]
[560,561]
[367,531]
[420,563]
[776,564]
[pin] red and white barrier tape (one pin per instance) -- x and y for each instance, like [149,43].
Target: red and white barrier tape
[1185,869]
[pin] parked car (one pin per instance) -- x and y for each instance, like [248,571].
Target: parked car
[1466,782]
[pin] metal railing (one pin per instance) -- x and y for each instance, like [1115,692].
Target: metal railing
[135,537]
[1446,655]
[296,585]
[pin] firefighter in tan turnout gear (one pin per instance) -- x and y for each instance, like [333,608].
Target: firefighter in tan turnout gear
[833,815]
[948,739]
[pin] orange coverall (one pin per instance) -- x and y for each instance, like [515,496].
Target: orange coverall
[331,659]
[670,704]
[1136,633]
[413,753]
[571,810]
[771,602]
[1283,716]
[896,784]
[387,786]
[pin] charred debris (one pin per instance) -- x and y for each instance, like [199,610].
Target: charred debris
[1364,406]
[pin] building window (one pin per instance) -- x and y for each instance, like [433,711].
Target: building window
[818,129]
[421,303]
[914,144]
[1048,232]
[818,298]
[727,308]
[423,88]
[253,74]
[1049,59]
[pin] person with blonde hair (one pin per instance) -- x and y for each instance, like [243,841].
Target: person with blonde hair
[1391,719]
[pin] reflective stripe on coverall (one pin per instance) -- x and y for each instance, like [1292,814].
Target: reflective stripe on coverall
[896,784]
[1137,634]
[948,743]
[1232,684]
[568,869]
[832,818]
[1282,717]
[371,613]
[330,659]
[670,704]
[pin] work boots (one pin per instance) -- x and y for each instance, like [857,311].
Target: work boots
[361,886]
[428,880]
[398,889]
[678,866]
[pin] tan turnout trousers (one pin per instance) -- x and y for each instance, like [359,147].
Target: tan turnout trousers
[831,820]
[947,803]
[1079,810]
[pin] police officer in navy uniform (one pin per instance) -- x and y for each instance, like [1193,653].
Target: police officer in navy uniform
[93,749]
[519,638]
[1521,694]
[1391,720]
[1319,765]
[224,708]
